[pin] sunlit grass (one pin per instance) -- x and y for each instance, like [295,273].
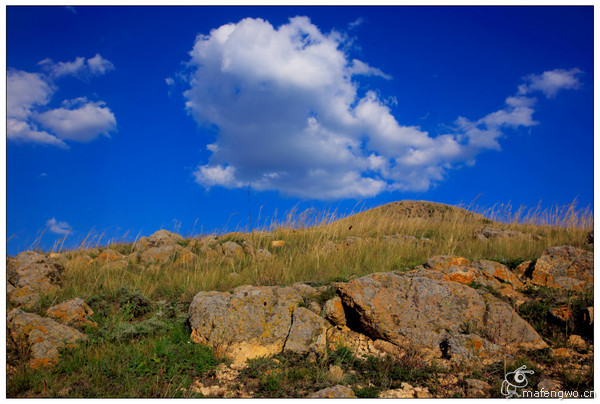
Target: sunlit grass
[321,247]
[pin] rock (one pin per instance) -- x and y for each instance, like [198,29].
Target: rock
[115,265]
[524,270]
[488,233]
[31,274]
[80,260]
[232,249]
[164,253]
[333,310]
[158,239]
[590,238]
[337,391]
[464,275]
[263,254]
[307,333]
[563,353]
[185,257]
[306,291]
[577,342]
[44,337]
[477,388]
[314,307]
[250,321]
[277,243]
[72,312]
[446,261]
[549,385]
[389,348]
[564,267]
[360,344]
[588,316]
[416,310]
[504,326]
[336,374]
[406,391]
[563,316]
[498,271]
[108,255]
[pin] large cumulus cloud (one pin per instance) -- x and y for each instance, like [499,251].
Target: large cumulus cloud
[290,116]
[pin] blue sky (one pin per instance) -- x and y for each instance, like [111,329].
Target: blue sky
[126,120]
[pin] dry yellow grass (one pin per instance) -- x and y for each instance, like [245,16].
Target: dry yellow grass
[320,249]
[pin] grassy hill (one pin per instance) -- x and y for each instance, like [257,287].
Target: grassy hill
[140,347]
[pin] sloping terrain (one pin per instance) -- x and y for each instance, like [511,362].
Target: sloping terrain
[409,299]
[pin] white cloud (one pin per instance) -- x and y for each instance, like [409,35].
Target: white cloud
[551,82]
[79,67]
[356,23]
[359,67]
[58,227]
[289,116]
[83,123]
[22,131]
[30,120]
[99,66]
[25,91]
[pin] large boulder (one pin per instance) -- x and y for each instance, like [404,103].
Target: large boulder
[42,336]
[250,321]
[31,274]
[446,318]
[564,267]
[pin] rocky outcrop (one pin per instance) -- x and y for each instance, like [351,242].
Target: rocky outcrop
[43,337]
[250,321]
[162,247]
[440,316]
[72,312]
[29,275]
[563,267]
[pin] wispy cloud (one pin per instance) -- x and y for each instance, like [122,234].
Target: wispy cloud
[356,23]
[551,82]
[58,227]
[80,67]
[290,117]
[71,9]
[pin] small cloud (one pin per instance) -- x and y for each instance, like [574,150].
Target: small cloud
[169,81]
[43,175]
[80,67]
[58,227]
[364,69]
[78,119]
[356,23]
[550,82]
[71,9]
[84,123]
